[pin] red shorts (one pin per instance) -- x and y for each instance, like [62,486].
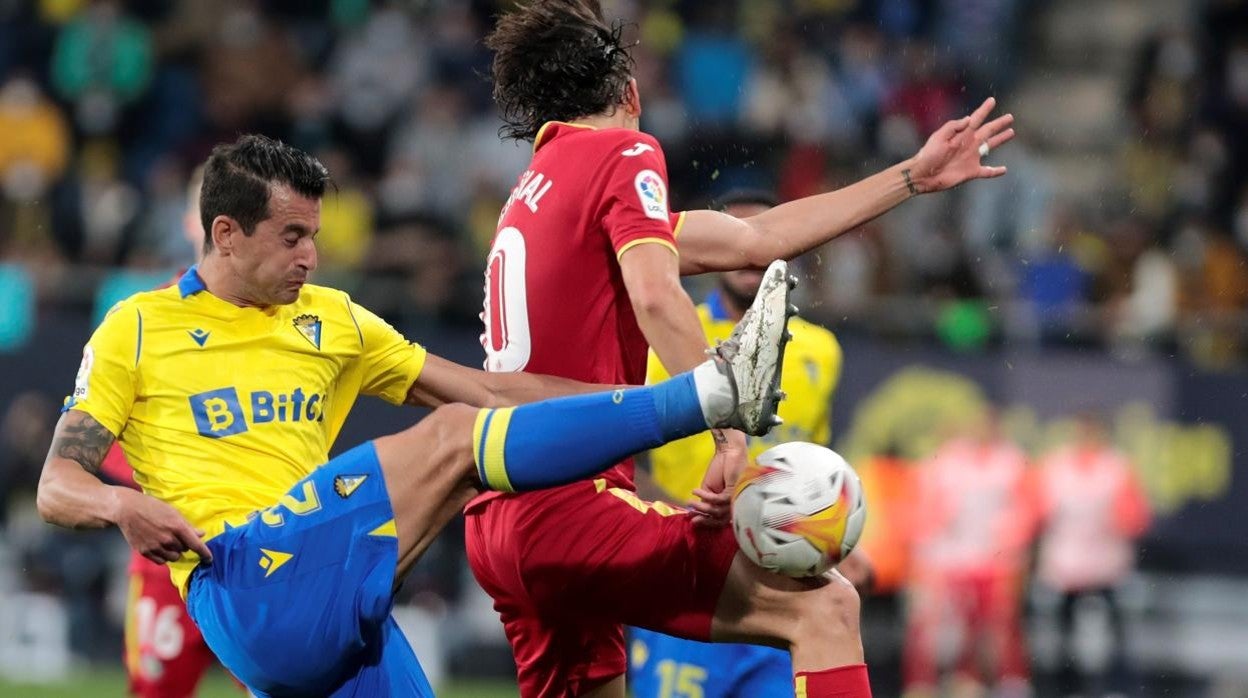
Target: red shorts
[568,567]
[165,654]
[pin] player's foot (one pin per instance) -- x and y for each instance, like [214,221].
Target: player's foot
[753,354]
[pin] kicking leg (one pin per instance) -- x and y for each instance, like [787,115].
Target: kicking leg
[815,619]
[550,443]
[434,468]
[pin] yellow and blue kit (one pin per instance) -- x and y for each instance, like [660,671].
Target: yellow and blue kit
[220,409]
[661,666]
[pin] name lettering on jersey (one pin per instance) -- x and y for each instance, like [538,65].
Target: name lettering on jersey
[310,327]
[638,149]
[219,413]
[200,336]
[293,407]
[531,188]
[652,193]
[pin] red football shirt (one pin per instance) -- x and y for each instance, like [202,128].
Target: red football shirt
[555,300]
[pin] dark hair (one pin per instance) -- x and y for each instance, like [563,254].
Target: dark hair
[746,197]
[556,60]
[239,176]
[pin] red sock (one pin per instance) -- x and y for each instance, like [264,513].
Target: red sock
[842,682]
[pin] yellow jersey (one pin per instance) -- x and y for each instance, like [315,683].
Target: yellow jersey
[221,409]
[812,368]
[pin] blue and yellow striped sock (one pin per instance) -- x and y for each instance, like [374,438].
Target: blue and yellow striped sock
[555,442]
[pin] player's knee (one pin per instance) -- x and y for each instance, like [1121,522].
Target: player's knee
[452,433]
[831,610]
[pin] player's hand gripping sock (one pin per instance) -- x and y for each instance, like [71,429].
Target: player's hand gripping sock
[560,441]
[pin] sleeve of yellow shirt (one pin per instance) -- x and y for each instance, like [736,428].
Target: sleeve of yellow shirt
[105,385]
[390,363]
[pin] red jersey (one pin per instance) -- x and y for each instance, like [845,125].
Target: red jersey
[555,301]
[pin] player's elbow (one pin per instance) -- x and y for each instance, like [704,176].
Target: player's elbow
[46,501]
[755,248]
[50,498]
[653,297]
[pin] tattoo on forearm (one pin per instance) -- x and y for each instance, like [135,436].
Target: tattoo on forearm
[914,191]
[84,440]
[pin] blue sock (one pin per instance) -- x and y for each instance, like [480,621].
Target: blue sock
[555,442]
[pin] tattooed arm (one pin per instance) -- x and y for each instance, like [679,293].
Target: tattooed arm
[71,495]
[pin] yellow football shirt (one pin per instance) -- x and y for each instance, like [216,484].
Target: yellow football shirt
[812,368]
[221,409]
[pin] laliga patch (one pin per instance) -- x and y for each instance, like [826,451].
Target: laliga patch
[83,379]
[346,485]
[652,193]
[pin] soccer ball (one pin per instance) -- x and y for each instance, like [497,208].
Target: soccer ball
[798,509]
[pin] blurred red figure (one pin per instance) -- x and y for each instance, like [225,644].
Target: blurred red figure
[165,656]
[1093,510]
[974,521]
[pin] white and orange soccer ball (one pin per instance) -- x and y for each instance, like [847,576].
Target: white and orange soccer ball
[798,509]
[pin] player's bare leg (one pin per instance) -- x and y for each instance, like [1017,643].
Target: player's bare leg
[615,688]
[430,476]
[432,469]
[815,619]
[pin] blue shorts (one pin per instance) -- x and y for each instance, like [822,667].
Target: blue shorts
[661,665]
[297,602]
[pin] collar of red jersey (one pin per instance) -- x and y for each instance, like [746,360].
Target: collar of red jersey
[550,129]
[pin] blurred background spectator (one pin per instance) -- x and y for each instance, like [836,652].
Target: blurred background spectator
[1092,509]
[972,527]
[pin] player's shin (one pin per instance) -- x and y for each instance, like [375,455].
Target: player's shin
[555,442]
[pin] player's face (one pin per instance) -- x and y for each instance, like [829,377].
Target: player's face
[274,261]
[743,284]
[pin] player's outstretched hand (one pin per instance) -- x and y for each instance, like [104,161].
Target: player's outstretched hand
[954,153]
[156,529]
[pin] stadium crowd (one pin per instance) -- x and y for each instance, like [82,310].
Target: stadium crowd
[107,104]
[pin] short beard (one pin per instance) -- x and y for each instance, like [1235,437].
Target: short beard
[740,300]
